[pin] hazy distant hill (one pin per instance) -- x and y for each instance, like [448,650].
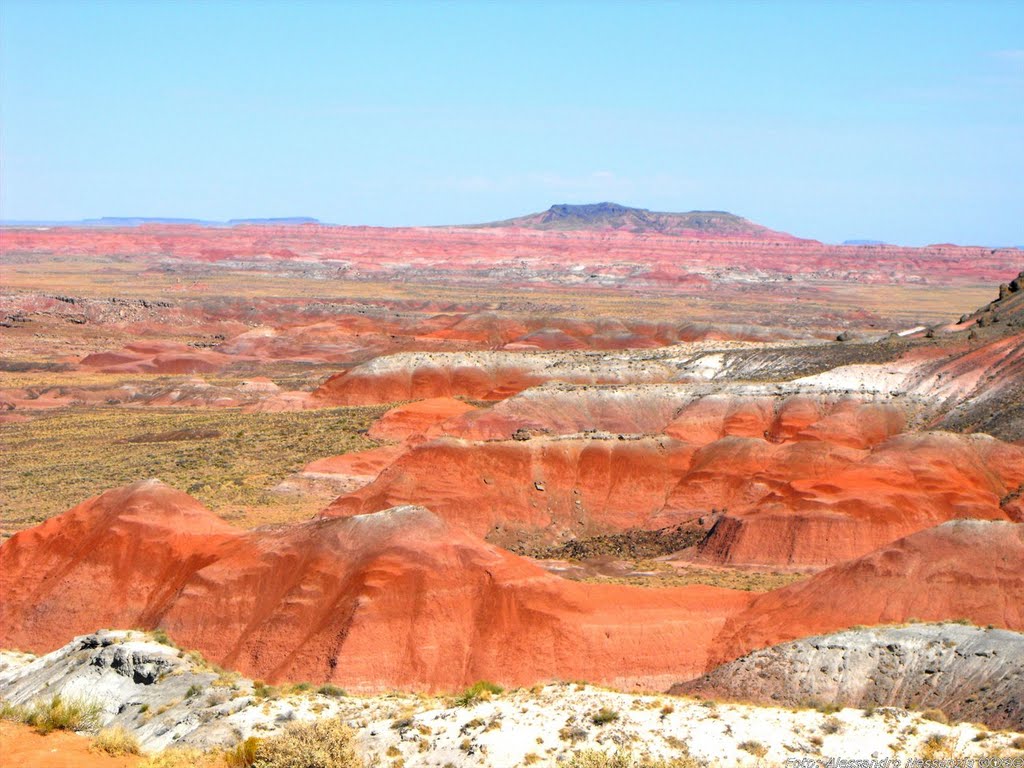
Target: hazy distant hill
[135,221]
[287,220]
[612,216]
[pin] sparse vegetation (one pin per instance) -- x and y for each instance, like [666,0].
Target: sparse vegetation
[403,724]
[59,713]
[831,725]
[182,757]
[331,690]
[756,748]
[572,733]
[325,743]
[243,754]
[117,741]
[479,691]
[233,474]
[936,716]
[936,747]
[604,716]
[263,691]
[161,637]
[592,758]
[654,573]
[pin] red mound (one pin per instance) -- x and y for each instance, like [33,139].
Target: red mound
[157,357]
[393,599]
[677,412]
[405,421]
[567,410]
[475,375]
[545,489]
[847,422]
[376,383]
[813,504]
[960,570]
[95,556]
[349,471]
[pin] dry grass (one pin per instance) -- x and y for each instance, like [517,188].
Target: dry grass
[117,741]
[243,754]
[318,744]
[482,690]
[659,574]
[183,757]
[60,713]
[59,459]
[816,303]
[592,758]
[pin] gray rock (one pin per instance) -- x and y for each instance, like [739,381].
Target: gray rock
[161,694]
[969,673]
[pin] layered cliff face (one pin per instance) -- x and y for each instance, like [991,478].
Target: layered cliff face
[807,485]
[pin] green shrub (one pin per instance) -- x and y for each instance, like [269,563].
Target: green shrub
[323,743]
[263,691]
[331,690]
[160,636]
[13,712]
[604,715]
[479,691]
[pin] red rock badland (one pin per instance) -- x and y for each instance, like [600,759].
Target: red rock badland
[886,472]
[400,598]
[539,255]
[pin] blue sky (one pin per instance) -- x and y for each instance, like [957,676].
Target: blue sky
[896,121]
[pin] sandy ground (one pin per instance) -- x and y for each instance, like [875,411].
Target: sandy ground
[22,747]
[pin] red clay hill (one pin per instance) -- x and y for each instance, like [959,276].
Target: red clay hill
[799,481]
[963,570]
[393,599]
[400,598]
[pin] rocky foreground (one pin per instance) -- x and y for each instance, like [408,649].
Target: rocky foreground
[170,698]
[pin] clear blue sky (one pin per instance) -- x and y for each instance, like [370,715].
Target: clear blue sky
[896,121]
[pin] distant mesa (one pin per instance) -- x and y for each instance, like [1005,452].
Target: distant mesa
[864,242]
[616,217]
